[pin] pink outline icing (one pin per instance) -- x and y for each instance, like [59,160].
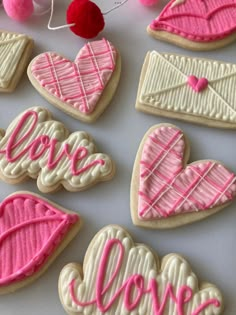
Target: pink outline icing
[166,188]
[30,231]
[135,282]
[80,83]
[37,148]
[202,21]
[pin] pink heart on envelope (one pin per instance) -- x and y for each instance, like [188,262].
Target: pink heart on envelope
[167,187]
[196,84]
[75,86]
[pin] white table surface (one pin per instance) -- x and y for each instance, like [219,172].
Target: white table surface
[208,245]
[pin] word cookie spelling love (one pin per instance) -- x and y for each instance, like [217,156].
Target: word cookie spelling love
[36,146]
[121,277]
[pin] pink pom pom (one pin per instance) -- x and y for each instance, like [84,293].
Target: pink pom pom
[19,10]
[148,3]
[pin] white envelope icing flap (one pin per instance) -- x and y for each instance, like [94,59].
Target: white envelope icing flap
[11,49]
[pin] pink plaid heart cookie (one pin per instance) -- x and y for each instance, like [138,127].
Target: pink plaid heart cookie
[82,88]
[165,192]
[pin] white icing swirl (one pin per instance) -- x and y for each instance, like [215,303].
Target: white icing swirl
[138,259]
[62,173]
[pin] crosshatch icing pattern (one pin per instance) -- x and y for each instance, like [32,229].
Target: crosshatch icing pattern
[80,83]
[166,188]
[170,85]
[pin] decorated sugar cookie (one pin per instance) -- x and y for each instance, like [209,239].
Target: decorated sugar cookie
[15,51]
[191,89]
[167,192]
[121,277]
[196,25]
[82,88]
[33,232]
[36,146]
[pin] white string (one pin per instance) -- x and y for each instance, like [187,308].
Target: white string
[39,10]
[115,7]
[73,24]
[50,19]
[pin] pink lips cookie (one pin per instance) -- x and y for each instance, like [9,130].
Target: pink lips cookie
[165,192]
[196,25]
[82,88]
[33,232]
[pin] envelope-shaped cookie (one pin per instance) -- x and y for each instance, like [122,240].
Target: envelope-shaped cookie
[15,50]
[191,89]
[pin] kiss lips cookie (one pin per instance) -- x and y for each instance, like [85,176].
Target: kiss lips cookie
[196,90]
[120,277]
[33,232]
[82,88]
[36,146]
[196,25]
[166,192]
[15,51]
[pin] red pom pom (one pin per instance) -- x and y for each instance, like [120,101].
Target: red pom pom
[87,17]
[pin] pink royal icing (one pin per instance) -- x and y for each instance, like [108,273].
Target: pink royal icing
[80,83]
[167,188]
[198,85]
[30,231]
[198,20]
[135,288]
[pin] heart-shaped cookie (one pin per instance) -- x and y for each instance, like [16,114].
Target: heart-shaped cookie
[82,88]
[33,232]
[165,192]
[196,25]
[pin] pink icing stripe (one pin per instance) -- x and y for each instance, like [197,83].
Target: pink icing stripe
[30,231]
[198,20]
[166,188]
[132,290]
[80,83]
[43,144]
